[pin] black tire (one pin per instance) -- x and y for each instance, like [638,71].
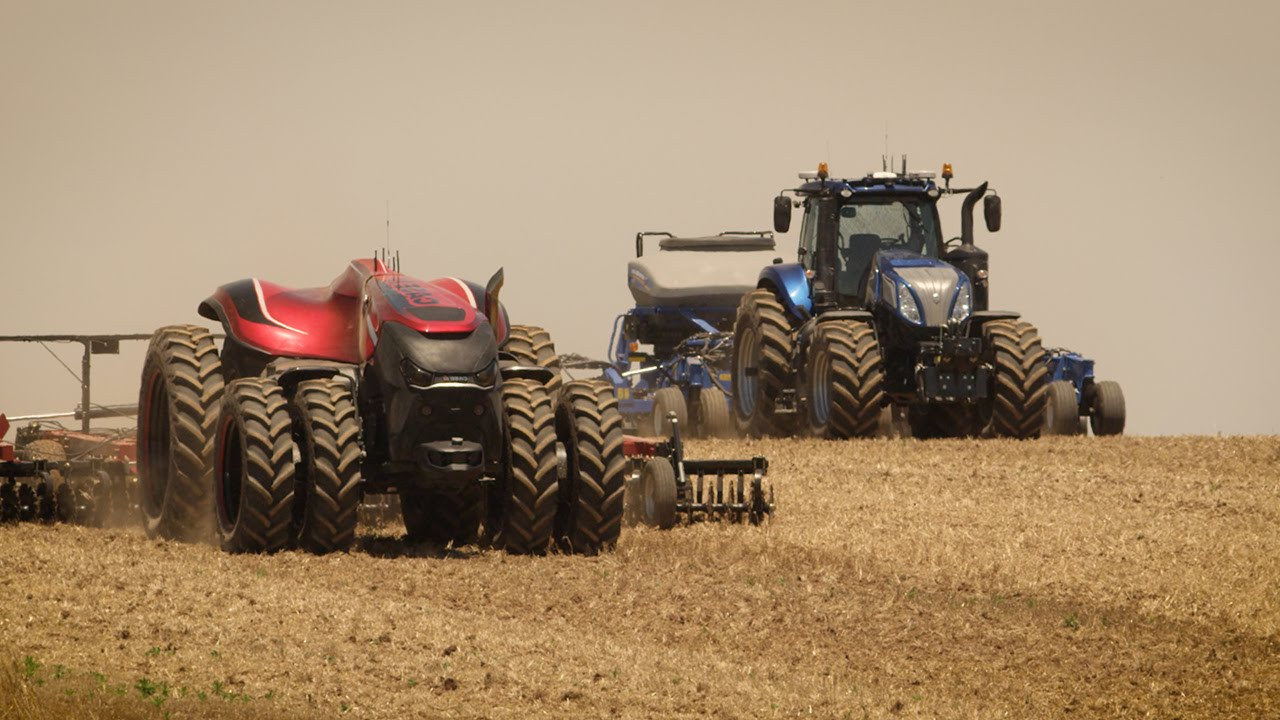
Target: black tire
[846,380]
[715,419]
[524,502]
[1020,386]
[589,426]
[253,468]
[1062,412]
[326,429]
[666,401]
[658,494]
[178,407]
[532,345]
[1107,414]
[443,518]
[761,363]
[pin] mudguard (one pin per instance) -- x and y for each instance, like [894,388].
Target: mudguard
[791,285]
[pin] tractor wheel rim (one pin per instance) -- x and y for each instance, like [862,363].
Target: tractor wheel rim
[745,383]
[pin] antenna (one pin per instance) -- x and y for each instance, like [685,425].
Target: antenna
[388,223]
[884,159]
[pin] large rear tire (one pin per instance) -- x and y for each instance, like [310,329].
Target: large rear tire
[326,428]
[532,346]
[666,401]
[443,518]
[846,380]
[524,503]
[591,501]
[761,363]
[253,468]
[178,405]
[1062,413]
[1107,414]
[715,418]
[1020,387]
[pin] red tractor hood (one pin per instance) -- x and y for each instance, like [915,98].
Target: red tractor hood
[342,321]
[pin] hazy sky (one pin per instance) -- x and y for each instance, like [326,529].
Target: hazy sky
[150,151]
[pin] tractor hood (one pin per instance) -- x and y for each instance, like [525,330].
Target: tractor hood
[923,291]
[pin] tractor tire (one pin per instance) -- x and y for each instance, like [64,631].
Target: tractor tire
[443,518]
[178,407]
[658,494]
[531,345]
[326,428]
[1106,417]
[666,401]
[761,363]
[51,450]
[524,502]
[846,381]
[1062,414]
[715,418]
[589,426]
[1020,387]
[253,468]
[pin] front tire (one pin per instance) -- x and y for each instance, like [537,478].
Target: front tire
[846,381]
[591,502]
[532,346]
[761,363]
[1020,387]
[1062,413]
[658,494]
[178,405]
[715,418]
[327,431]
[1107,415]
[253,469]
[525,503]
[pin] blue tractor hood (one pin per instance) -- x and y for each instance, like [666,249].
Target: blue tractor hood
[922,291]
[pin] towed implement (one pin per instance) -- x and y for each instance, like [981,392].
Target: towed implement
[38,483]
[1076,398]
[378,383]
[664,487]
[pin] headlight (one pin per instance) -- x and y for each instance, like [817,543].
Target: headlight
[907,304]
[488,376]
[416,376]
[962,305]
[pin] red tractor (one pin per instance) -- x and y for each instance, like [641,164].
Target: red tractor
[376,383]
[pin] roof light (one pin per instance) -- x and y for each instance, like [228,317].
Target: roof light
[946,171]
[823,174]
[808,175]
[884,176]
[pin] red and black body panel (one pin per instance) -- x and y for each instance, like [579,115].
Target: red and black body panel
[422,354]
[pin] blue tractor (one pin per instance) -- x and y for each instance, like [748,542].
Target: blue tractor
[881,316]
[671,353]
[1074,395]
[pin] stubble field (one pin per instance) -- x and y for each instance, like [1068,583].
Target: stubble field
[1079,577]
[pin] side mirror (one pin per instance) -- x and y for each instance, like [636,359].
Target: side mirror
[781,214]
[991,212]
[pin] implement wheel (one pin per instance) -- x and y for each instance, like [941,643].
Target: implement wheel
[846,380]
[253,468]
[524,502]
[715,418]
[666,401]
[1062,413]
[532,346]
[589,426]
[178,407]
[761,363]
[327,432]
[1107,414]
[658,494]
[1021,383]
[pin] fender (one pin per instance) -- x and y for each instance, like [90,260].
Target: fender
[244,308]
[791,285]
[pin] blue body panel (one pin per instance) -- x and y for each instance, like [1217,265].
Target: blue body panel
[791,286]
[886,277]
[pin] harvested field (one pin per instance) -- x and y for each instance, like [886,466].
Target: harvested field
[1122,577]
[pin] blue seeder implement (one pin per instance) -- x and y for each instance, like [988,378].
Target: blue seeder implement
[1075,395]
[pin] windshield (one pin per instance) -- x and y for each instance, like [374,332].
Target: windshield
[869,225]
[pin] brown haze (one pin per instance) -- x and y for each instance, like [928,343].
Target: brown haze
[151,151]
